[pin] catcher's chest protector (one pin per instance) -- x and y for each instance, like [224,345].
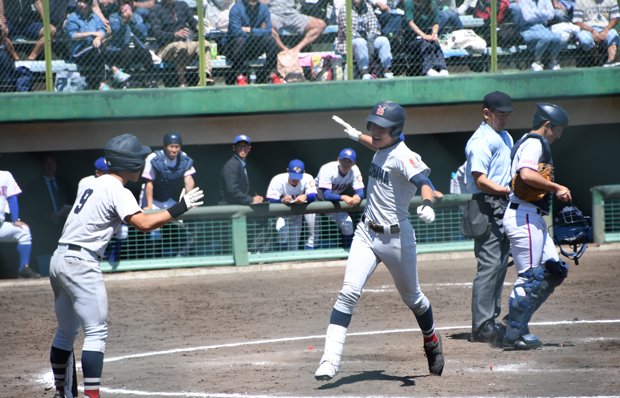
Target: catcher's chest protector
[545,161]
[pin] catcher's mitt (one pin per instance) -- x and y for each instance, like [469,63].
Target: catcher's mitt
[527,192]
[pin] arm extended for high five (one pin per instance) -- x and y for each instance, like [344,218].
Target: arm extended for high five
[354,133]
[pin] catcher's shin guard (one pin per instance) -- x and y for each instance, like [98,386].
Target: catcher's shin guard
[554,274]
[522,303]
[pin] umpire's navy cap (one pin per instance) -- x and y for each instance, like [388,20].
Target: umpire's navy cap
[497,101]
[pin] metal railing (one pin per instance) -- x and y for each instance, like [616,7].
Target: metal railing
[606,213]
[242,235]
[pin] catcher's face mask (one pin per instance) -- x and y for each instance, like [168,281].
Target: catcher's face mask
[571,228]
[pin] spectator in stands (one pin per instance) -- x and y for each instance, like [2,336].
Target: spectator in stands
[25,20]
[86,31]
[482,9]
[546,45]
[249,36]
[284,15]
[391,17]
[563,10]
[597,20]
[175,28]
[4,35]
[293,188]
[105,8]
[88,50]
[217,14]
[449,19]
[422,18]
[366,36]
[126,48]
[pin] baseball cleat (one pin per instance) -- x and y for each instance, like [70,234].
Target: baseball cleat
[434,355]
[326,371]
[28,273]
[524,342]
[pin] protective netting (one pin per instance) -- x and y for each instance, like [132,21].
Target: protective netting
[108,44]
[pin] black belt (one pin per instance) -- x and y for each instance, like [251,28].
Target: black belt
[394,228]
[515,206]
[74,248]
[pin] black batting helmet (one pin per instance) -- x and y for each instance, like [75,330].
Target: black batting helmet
[387,114]
[549,112]
[172,138]
[125,153]
[571,228]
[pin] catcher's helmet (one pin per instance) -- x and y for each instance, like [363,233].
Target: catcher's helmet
[549,112]
[172,138]
[572,228]
[387,114]
[125,153]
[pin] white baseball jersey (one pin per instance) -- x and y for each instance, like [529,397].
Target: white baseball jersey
[8,188]
[279,186]
[389,188]
[100,207]
[329,177]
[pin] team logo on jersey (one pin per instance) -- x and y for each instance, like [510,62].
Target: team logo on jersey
[380,110]
[378,173]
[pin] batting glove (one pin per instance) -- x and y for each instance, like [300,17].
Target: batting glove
[187,201]
[193,198]
[353,133]
[426,212]
[349,130]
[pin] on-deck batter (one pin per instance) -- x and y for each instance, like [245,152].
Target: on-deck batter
[80,297]
[385,235]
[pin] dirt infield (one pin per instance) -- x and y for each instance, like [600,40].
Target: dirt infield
[257,332]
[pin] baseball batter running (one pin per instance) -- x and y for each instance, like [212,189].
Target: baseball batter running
[80,297]
[385,235]
[536,259]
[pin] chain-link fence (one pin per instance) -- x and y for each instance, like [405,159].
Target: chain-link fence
[110,44]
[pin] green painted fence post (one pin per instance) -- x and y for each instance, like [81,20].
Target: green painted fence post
[240,240]
[598,216]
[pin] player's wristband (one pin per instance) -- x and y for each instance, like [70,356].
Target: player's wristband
[427,202]
[178,209]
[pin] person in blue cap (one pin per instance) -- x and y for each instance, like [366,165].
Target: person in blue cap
[341,180]
[295,187]
[234,179]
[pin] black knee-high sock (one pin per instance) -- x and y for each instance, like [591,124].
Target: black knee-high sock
[59,359]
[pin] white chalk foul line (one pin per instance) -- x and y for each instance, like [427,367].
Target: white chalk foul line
[321,336]
[47,376]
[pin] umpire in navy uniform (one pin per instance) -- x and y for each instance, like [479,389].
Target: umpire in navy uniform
[488,165]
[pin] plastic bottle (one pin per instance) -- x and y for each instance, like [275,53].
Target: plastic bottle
[252,77]
[213,50]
